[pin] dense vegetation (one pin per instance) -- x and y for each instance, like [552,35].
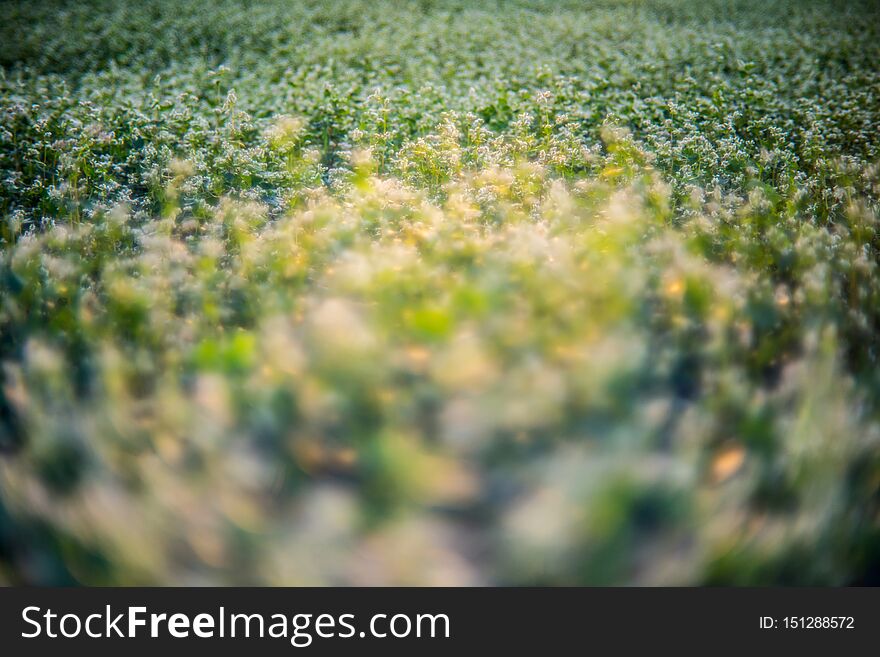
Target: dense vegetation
[441,293]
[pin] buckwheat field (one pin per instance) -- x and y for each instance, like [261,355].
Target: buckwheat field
[443,292]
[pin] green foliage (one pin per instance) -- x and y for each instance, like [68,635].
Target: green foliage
[449,293]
